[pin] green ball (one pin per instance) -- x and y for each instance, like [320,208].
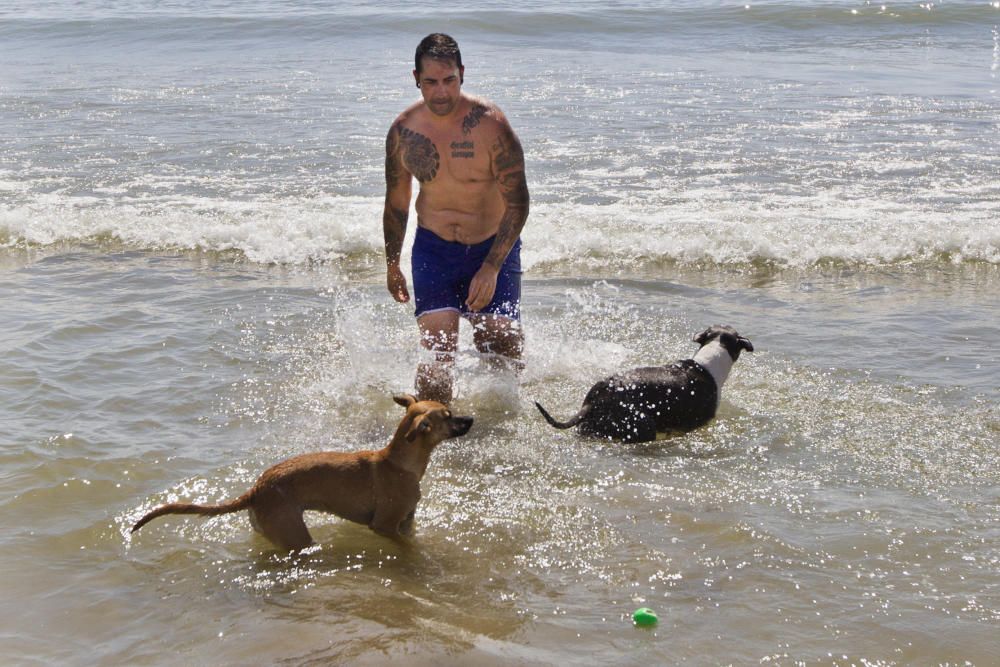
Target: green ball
[644,616]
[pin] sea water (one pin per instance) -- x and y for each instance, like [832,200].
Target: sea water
[192,288]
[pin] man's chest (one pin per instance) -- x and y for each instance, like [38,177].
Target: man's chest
[460,156]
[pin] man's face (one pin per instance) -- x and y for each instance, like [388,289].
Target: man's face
[440,84]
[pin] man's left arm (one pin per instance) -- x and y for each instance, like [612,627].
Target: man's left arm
[507,161]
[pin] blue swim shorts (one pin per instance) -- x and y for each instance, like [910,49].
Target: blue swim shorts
[442,271]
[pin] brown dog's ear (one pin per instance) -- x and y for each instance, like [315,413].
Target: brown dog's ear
[406,400]
[421,426]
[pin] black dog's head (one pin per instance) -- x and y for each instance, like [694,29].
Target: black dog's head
[728,337]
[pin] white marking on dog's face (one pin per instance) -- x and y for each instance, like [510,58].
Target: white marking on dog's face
[716,360]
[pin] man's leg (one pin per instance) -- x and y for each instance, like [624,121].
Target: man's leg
[499,337]
[438,334]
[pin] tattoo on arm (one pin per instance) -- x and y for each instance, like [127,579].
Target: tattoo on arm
[507,153]
[397,188]
[394,230]
[393,168]
[508,169]
[421,155]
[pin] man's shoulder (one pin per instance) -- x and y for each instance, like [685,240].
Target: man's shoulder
[485,109]
[408,115]
[484,115]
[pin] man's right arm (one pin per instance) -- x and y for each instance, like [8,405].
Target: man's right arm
[398,183]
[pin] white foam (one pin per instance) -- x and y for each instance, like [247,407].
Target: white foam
[689,226]
[780,229]
[292,232]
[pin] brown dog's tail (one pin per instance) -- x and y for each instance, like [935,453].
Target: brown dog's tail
[240,503]
[573,421]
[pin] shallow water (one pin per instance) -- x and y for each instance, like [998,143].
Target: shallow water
[191,290]
[838,506]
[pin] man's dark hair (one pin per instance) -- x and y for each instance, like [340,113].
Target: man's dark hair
[439,47]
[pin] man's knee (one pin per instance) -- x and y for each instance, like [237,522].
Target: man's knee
[439,333]
[499,336]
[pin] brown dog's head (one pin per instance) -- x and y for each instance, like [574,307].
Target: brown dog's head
[430,420]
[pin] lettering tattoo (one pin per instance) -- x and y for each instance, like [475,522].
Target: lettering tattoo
[472,118]
[421,156]
[463,149]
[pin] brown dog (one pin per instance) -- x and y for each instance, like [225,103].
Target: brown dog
[377,488]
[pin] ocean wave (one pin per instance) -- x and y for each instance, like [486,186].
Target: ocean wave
[560,238]
[738,234]
[275,233]
[125,22]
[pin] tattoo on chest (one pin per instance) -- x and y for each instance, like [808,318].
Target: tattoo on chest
[421,156]
[471,119]
[463,149]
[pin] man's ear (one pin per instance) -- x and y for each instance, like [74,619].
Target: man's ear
[406,400]
[421,427]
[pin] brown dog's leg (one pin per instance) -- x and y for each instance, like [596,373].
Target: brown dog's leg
[283,525]
[389,522]
[406,527]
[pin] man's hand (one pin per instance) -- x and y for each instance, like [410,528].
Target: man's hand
[396,282]
[482,287]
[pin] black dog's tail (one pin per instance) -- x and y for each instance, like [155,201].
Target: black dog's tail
[240,503]
[573,421]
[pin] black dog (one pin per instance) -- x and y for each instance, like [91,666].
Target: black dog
[636,405]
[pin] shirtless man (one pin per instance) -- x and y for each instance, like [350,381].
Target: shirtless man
[472,205]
